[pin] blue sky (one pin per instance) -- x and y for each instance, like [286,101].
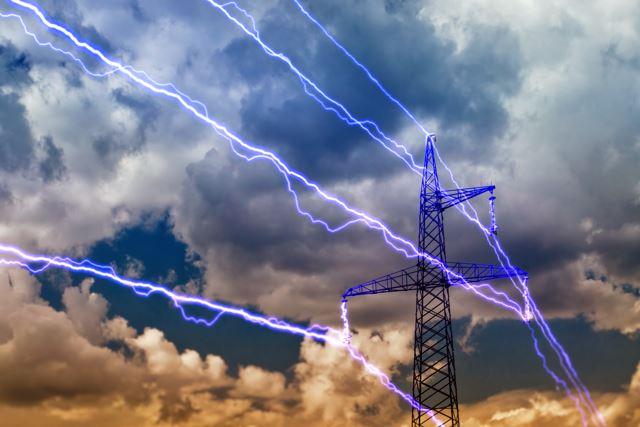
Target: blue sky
[539,99]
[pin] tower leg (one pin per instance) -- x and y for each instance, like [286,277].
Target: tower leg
[434,381]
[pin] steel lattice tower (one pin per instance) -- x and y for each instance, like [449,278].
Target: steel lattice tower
[434,374]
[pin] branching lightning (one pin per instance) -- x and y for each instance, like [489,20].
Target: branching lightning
[531,310]
[12,256]
[250,153]
[314,91]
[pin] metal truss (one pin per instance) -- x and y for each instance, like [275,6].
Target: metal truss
[434,375]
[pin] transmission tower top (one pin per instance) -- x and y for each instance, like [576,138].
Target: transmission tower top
[434,375]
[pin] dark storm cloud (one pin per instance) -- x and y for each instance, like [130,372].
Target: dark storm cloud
[244,209]
[143,106]
[247,220]
[535,247]
[464,89]
[19,152]
[5,194]
[14,66]
[326,149]
[279,114]
[51,167]
[422,69]
[241,213]
[17,144]
[113,146]
[621,250]
[16,140]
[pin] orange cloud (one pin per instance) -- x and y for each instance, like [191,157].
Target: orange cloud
[54,373]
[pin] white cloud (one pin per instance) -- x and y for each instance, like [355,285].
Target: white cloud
[175,370]
[86,310]
[256,382]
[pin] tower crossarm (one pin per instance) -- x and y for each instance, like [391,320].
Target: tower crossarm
[403,280]
[445,199]
[407,279]
[474,272]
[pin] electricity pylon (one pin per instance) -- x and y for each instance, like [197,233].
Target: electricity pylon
[434,374]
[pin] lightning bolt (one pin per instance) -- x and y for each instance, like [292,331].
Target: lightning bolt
[191,105]
[314,91]
[200,111]
[12,256]
[330,104]
[531,310]
[251,153]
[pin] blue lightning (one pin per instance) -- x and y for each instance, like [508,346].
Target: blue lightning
[531,310]
[348,118]
[408,159]
[395,241]
[258,153]
[199,110]
[12,256]
[120,68]
[315,92]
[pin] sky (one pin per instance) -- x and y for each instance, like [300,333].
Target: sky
[538,98]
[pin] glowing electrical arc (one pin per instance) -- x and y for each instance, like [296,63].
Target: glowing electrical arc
[314,91]
[15,257]
[343,113]
[127,70]
[510,305]
[396,242]
[169,85]
[499,252]
[133,74]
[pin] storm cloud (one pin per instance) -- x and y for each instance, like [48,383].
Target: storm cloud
[540,99]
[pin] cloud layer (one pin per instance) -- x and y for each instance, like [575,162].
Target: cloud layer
[539,98]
